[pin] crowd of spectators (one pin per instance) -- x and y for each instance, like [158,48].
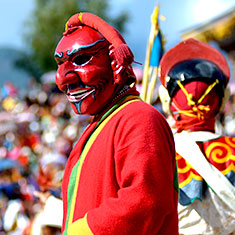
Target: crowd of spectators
[37,132]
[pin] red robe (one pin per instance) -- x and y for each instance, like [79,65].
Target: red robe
[126,182]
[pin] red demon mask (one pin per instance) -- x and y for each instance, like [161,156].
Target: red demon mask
[94,63]
[84,70]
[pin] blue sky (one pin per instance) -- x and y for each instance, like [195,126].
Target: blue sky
[180,15]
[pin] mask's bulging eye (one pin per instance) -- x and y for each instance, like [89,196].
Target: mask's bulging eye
[82,59]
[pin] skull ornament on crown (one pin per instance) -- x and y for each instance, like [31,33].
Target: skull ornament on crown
[90,71]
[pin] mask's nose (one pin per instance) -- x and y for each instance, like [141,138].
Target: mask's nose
[66,75]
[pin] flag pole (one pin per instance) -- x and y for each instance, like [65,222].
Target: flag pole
[152,85]
[152,35]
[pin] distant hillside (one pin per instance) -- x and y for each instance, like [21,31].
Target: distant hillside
[9,71]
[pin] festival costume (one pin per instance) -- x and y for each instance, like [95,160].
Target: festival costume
[120,177]
[195,76]
[113,195]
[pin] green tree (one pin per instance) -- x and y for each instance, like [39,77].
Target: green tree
[45,27]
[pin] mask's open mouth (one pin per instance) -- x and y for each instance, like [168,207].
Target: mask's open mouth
[76,94]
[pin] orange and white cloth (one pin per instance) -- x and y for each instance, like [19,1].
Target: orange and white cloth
[213,164]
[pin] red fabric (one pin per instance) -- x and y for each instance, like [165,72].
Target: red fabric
[95,22]
[72,160]
[220,152]
[217,151]
[110,33]
[191,49]
[123,53]
[126,183]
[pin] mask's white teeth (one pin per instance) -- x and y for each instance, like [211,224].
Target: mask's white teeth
[79,95]
[78,92]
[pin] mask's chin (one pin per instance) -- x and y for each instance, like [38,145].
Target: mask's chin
[87,100]
[88,107]
[76,94]
[76,106]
